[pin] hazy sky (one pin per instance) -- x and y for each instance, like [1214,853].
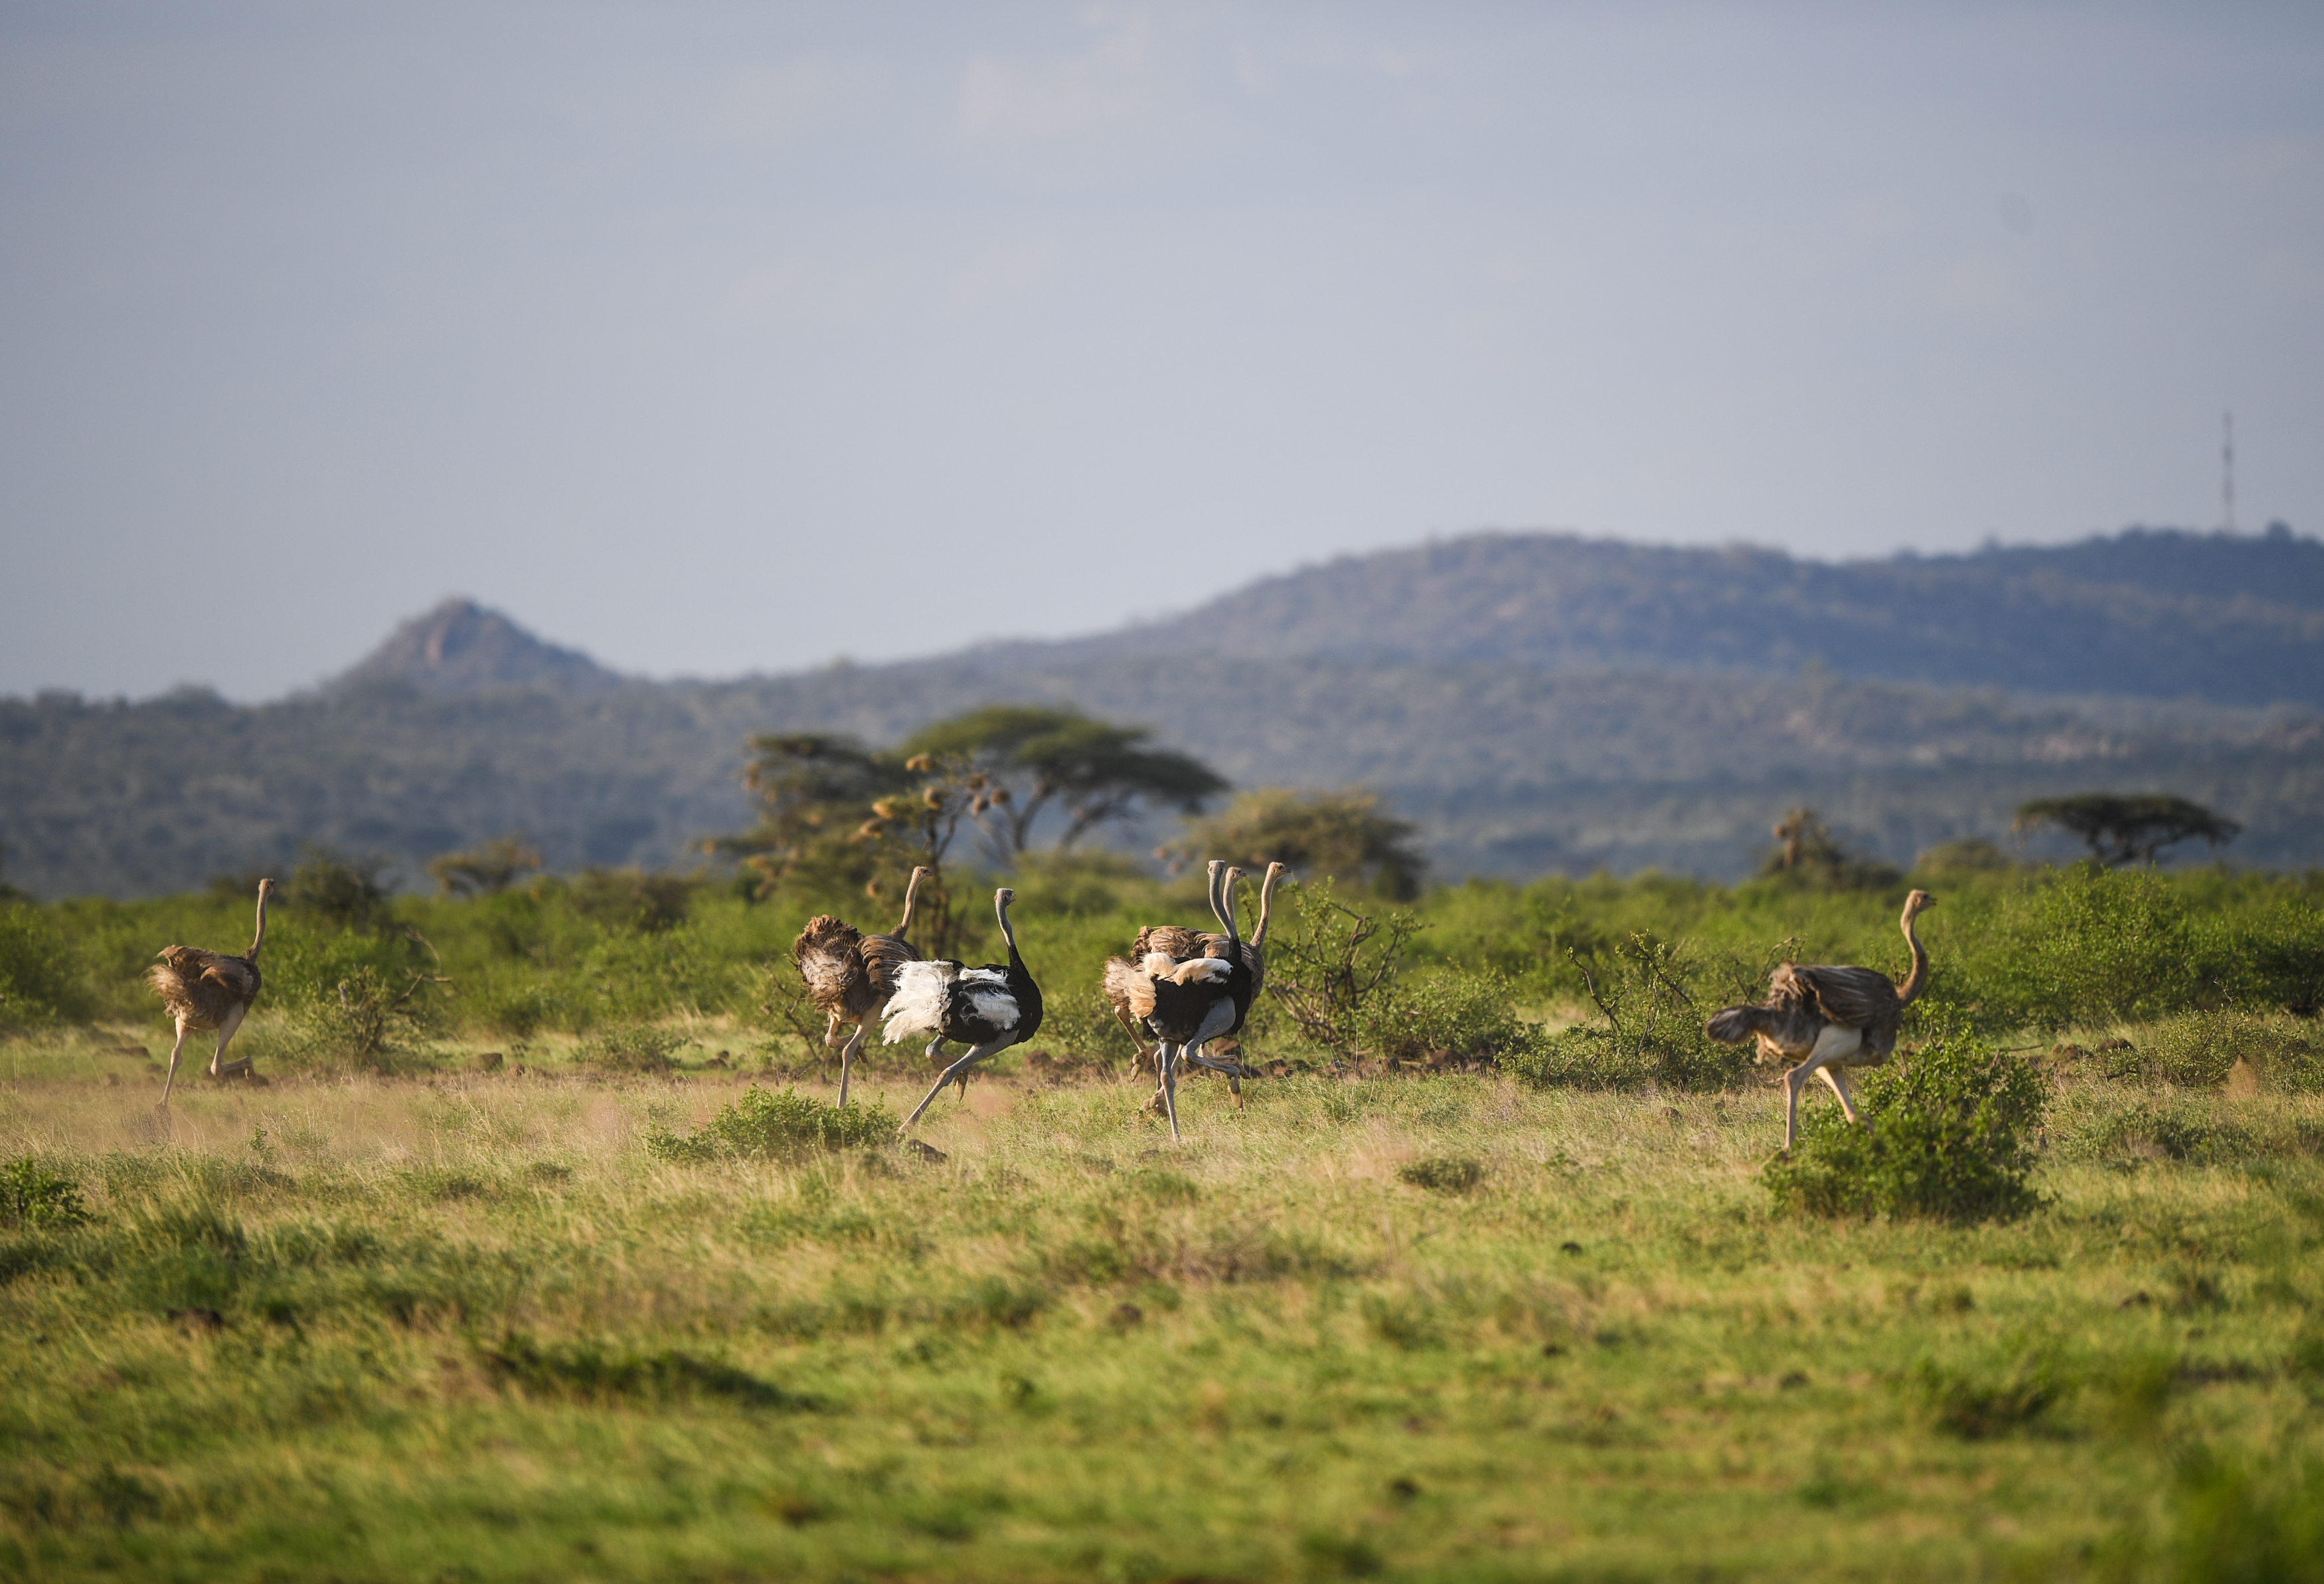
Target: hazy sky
[712,339]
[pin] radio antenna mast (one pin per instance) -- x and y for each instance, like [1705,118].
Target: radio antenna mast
[2228,469]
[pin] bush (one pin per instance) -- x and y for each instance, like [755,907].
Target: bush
[32,1195]
[37,984]
[2231,1523]
[1442,1174]
[1456,1017]
[2096,946]
[2198,1050]
[1948,1133]
[632,1050]
[1654,1015]
[1332,969]
[775,1126]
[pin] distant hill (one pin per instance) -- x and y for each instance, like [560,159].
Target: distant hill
[1535,702]
[2161,613]
[460,647]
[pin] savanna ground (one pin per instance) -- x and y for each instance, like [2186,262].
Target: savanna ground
[391,1316]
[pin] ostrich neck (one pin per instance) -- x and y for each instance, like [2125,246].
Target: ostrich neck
[911,895]
[1918,979]
[258,939]
[1234,936]
[1265,896]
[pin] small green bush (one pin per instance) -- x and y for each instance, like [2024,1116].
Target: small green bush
[31,1194]
[37,982]
[2230,1522]
[1652,1004]
[772,1125]
[637,1049]
[1442,1174]
[1948,1133]
[2198,1050]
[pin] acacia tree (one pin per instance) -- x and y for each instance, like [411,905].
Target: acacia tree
[1038,758]
[487,870]
[2121,830]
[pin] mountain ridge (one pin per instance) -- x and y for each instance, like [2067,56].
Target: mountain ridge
[1514,741]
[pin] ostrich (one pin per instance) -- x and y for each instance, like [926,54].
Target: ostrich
[850,976]
[1827,1019]
[1181,944]
[1176,941]
[987,1009]
[209,990]
[1188,1003]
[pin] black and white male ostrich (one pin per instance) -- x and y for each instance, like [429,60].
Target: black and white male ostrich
[209,990]
[987,1009]
[1828,1019]
[1188,1003]
[850,976]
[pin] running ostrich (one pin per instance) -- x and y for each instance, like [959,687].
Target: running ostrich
[987,1009]
[1829,1019]
[209,990]
[1182,943]
[1176,941]
[1188,1003]
[851,976]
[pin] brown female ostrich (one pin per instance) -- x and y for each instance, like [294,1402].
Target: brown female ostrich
[209,990]
[1828,1019]
[850,976]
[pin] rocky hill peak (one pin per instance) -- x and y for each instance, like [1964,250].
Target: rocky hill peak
[464,647]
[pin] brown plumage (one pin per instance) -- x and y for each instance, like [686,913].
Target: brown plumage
[850,975]
[209,990]
[1826,1019]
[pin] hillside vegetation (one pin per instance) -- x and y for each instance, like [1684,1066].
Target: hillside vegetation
[1536,703]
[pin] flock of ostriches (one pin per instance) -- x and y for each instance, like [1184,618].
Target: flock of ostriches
[1185,989]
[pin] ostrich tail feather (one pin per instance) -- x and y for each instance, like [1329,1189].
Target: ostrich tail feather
[917,1006]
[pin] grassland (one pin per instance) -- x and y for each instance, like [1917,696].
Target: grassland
[471,1329]
[394,1317]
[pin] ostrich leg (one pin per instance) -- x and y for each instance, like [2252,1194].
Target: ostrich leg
[957,1071]
[1165,1056]
[1837,1077]
[184,1028]
[219,1066]
[848,1054]
[1831,1044]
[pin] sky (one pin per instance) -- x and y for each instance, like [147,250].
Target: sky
[720,338]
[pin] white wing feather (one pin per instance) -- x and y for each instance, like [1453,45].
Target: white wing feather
[918,1006]
[997,1008]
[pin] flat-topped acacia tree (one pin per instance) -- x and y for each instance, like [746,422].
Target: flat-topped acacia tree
[2132,830]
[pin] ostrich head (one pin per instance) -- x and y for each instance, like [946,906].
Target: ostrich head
[1918,902]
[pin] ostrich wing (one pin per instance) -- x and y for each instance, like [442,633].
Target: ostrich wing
[1171,939]
[826,952]
[232,974]
[1852,998]
[883,955]
[917,1006]
[984,1000]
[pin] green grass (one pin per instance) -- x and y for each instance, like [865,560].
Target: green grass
[1435,1328]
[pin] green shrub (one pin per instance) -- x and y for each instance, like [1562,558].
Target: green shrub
[1446,1017]
[31,1194]
[2094,946]
[1442,1174]
[1948,1133]
[37,982]
[2230,1522]
[1652,1006]
[2198,1050]
[636,1048]
[766,1124]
